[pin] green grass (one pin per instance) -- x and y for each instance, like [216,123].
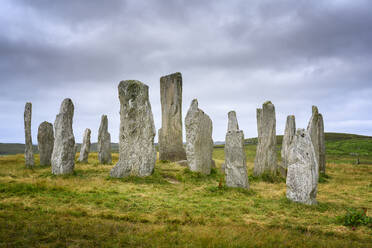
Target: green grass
[178,208]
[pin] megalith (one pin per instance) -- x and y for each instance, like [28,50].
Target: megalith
[322,149]
[104,142]
[137,154]
[199,142]
[170,134]
[235,159]
[302,172]
[265,161]
[289,133]
[29,155]
[85,147]
[45,142]
[63,156]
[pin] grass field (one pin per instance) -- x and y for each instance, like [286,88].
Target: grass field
[177,208]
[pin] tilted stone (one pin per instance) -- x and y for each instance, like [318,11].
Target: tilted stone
[63,156]
[289,133]
[137,154]
[29,155]
[170,134]
[104,142]
[235,159]
[85,147]
[302,172]
[265,161]
[322,148]
[45,141]
[199,142]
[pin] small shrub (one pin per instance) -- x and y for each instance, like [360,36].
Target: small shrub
[356,217]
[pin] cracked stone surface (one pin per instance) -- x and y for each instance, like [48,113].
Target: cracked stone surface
[45,141]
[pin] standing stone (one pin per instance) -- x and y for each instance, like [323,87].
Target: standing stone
[137,154]
[289,133]
[104,142]
[170,134]
[235,159]
[265,161]
[322,149]
[199,142]
[85,147]
[302,173]
[63,156]
[29,155]
[45,142]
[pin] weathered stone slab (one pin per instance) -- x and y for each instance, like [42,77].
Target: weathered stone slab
[45,141]
[302,173]
[137,154]
[322,148]
[170,134]
[199,142]
[289,133]
[235,159]
[265,161]
[63,156]
[104,142]
[85,147]
[29,155]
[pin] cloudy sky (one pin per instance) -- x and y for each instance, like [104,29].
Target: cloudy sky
[233,55]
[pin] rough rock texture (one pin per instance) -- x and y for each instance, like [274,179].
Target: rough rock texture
[265,161]
[235,159]
[322,149]
[85,147]
[289,133]
[104,142]
[302,173]
[29,155]
[63,156]
[315,129]
[45,141]
[199,142]
[182,163]
[137,154]
[170,134]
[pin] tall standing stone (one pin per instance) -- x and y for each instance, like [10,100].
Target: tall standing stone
[45,142]
[322,149]
[265,161]
[289,133]
[302,173]
[29,155]
[235,159]
[199,142]
[104,142]
[137,154]
[63,156]
[170,134]
[85,147]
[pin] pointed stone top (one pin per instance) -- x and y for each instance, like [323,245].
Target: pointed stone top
[104,123]
[233,122]
[174,75]
[28,104]
[315,109]
[267,103]
[66,106]
[194,104]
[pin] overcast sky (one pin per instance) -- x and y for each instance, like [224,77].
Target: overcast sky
[233,55]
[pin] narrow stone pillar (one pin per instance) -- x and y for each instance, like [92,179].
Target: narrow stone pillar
[199,142]
[137,154]
[235,160]
[170,134]
[29,155]
[85,147]
[45,142]
[289,133]
[322,148]
[104,142]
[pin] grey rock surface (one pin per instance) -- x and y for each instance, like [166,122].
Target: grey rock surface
[182,163]
[85,147]
[170,134]
[199,142]
[322,148]
[235,159]
[302,173]
[289,133]
[45,141]
[265,161]
[104,142]
[29,155]
[63,156]
[137,154]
